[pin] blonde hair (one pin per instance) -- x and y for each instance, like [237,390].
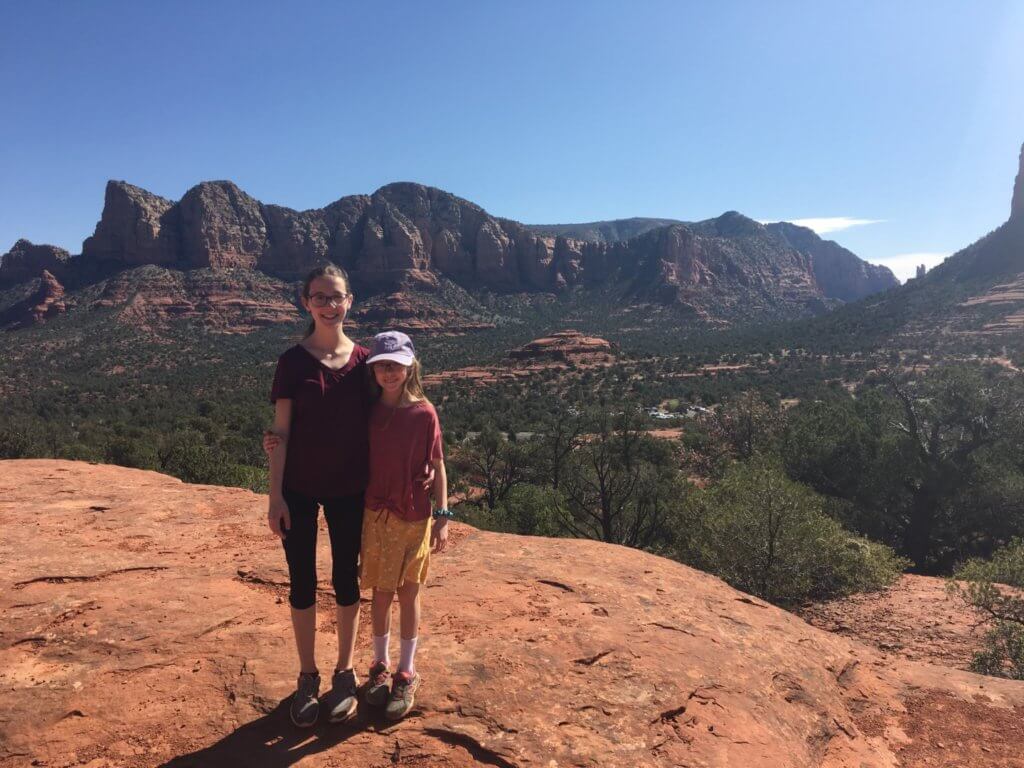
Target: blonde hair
[327,270]
[412,390]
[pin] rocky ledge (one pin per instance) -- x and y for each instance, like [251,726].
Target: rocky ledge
[145,622]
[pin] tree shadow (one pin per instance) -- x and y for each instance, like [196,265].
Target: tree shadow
[273,741]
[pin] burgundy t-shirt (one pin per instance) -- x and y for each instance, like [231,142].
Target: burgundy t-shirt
[402,442]
[328,448]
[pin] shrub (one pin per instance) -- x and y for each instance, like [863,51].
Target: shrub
[128,452]
[992,588]
[770,536]
[527,509]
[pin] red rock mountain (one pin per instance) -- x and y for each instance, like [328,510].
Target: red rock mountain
[408,234]
[146,623]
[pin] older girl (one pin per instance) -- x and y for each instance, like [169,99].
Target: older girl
[321,459]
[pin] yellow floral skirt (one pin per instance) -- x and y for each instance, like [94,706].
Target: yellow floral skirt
[394,551]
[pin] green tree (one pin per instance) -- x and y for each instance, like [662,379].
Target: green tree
[949,420]
[620,485]
[492,463]
[770,536]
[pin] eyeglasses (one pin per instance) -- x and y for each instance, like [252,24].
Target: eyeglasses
[322,299]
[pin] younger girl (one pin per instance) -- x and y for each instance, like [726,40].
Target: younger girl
[397,531]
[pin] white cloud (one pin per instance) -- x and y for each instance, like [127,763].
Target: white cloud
[828,224]
[904,265]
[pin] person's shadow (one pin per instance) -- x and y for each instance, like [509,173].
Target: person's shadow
[273,741]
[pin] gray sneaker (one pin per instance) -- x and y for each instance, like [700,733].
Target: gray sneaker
[403,696]
[341,700]
[376,691]
[305,707]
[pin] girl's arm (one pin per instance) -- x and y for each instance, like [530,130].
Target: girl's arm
[278,517]
[439,532]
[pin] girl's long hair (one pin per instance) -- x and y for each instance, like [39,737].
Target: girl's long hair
[413,389]
[327,270]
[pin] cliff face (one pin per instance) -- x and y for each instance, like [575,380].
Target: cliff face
[136,228]
[840,273]
[411,233]
[407,235]
[1017,202]
[125,644]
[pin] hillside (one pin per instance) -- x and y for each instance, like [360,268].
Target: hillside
[972,302]
[145,624]
[603,231]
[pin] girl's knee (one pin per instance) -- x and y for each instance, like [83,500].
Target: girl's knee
[408,591]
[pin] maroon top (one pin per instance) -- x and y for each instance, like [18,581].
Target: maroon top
[402,442]
[327,442]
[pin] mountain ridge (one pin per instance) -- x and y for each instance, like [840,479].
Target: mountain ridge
[407,235]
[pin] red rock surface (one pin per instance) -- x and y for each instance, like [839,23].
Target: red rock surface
[144,624]
[915,619]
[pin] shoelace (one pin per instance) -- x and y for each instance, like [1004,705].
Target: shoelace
[307,686]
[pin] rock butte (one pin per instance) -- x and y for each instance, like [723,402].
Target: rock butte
[558,351]
[144,624]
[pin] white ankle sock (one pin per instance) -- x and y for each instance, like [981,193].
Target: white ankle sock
[406,664]
[380,648]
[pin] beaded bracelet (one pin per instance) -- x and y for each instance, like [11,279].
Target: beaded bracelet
[443,512]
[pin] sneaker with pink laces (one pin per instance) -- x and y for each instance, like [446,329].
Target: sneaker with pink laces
[403,695]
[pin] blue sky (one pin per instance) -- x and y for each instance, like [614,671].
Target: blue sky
[909,115]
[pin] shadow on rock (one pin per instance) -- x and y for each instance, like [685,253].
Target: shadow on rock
[273,741]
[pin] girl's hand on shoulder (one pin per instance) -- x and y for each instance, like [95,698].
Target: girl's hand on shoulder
[278,517]
[270,442]
[439,535]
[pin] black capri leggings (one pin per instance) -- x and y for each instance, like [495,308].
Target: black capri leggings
[345,525]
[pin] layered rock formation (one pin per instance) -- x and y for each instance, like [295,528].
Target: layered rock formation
[411,234]
[413,312]
[407,238]
[146,623]
[225,300]
[45,302]
[26,261]
[566,347]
